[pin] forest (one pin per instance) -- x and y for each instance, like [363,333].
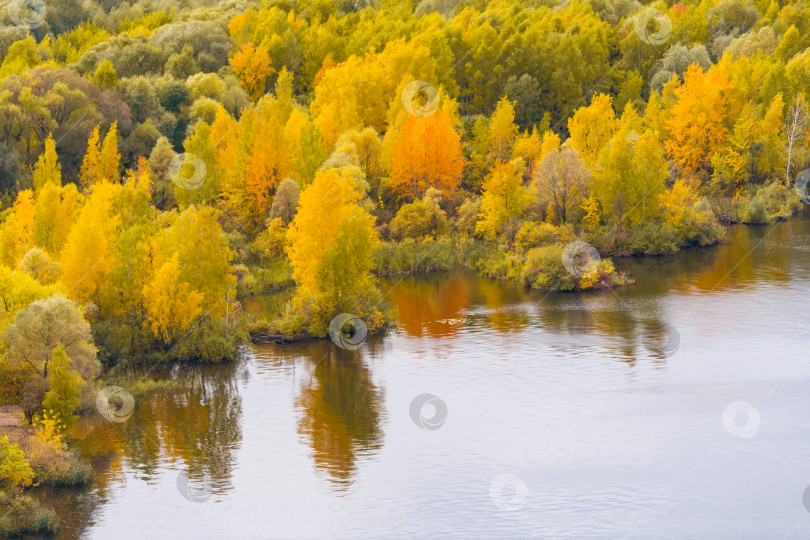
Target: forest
[160,162]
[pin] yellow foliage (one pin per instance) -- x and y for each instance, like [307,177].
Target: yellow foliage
[171,305]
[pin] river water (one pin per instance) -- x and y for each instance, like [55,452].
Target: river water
[678,407]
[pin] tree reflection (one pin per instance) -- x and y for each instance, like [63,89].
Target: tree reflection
[341,410]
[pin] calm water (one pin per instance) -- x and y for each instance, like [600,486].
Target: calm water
[594,415]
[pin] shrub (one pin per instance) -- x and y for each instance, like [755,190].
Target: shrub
[770,203]
[22,515]
[534,234]
[653,239]
[420,218]
[209,341]
[544,269]
[51,460]
[699,227]
[412,256]
[468,215]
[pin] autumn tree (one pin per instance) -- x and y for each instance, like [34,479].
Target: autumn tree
[330,242]
[47,170]
[45,324]
[794,130]
[421,218]
[561,179]
[252,66]
[505,199]
[286,201]
[87,255]
[110,157]
[92,171]
[591,128]
[427,153]
[17,231]
[630,177]
[502,132]
[56,211]
[15,471]
[105,76]
[699,120]
[38,265]
[171,305]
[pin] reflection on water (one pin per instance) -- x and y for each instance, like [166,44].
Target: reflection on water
[605,406]
[339,408]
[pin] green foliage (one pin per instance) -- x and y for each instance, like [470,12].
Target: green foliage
[416,256]
[423,217]
[62,399]
[768,204]
[23,515]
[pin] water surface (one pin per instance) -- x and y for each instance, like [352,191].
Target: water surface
[596,415]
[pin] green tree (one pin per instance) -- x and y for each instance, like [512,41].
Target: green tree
[63,397]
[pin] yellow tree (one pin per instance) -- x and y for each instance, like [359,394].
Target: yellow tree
[171,305]
[92,171]
[502,131]
[56,211]
[203,256]
[699,119]
[47,170]
[630,176]
[591,128]
[86,258]
[110,157]
[17,231]
[330,242]
[505,198]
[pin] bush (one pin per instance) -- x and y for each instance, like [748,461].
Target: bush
[653,239]
[699,227]
[544,269]
[412,256]
[51,460]
[210,341]
[420,218]
[468,215]
[22,515]
[769,204]
[533,234]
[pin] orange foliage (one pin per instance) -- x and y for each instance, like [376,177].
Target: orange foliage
[427,153]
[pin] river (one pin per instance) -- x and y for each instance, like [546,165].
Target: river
[678,407]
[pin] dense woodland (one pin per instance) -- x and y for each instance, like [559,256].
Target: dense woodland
[159,161]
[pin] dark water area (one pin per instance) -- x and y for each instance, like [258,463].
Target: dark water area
[678,407]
